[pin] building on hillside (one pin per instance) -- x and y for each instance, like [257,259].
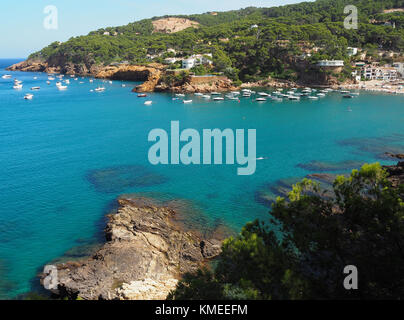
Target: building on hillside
[197,60]
[330,63]
[188,63]
[352,51]
[106,33]
[399,66]
[170,60]
[374,72]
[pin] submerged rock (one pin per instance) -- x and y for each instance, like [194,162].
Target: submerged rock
[395,156]
[380,147]
[322,166]
[117,179]
[145,254]
[268,193]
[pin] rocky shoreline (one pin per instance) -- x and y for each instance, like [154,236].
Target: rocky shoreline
[146,252]
[151,75]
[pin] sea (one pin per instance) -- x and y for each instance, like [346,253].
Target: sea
[66,156]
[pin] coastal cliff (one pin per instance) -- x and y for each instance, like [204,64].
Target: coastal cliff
[146,252]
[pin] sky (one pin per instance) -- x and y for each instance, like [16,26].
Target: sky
[22,22]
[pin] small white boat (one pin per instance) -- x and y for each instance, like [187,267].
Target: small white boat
[277,99]
[17,86]
[58,84]
[35,78]
[51,78]
[312,98]
[67,81]
[260,99]
[344,92]
[91,80]
[62,87]
[235,92]
[198,94]
[215,93]
[72,76]
[110,82]
[320,94]
[187,101]
[123,85]
[100,89]
[7,76]
[48,82]
[218,99]
[205,96]
[148,103]
[180,95]
[294,98]
[263,94]
[28,96]
[35,88]
[17,81]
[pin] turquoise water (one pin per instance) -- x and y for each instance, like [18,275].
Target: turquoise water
[66,156]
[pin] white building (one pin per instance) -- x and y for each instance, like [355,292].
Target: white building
[188,63]
[399,66]
[352,51]
[330,63]
[371,72]
[197,60]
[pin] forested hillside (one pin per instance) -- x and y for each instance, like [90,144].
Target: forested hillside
[250,43]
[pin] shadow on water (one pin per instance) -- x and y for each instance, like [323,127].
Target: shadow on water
[119,178]
[268,192]
[6,285]
[323,166]
[377,146]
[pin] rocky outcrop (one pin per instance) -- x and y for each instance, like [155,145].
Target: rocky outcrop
[173,24]
[394,156]
[187,87]
[29,66]
[57,65]
[396,173]
[146,252]
[150,74]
